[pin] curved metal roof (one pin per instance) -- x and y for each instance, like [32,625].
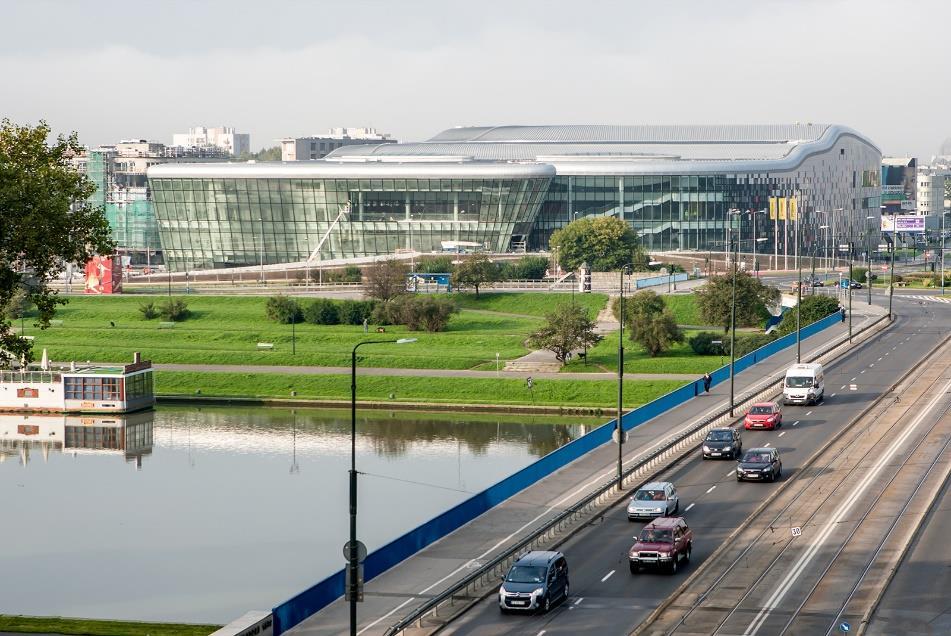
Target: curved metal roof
[319,169]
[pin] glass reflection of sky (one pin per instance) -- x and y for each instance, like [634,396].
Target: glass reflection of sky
[237,509]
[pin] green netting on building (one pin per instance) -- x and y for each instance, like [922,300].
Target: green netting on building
[97,171]
[133,225]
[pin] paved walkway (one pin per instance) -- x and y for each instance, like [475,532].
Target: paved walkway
[443,373]
[395,592]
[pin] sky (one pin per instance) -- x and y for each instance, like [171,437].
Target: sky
[119,70]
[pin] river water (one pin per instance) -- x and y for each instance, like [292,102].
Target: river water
[200,514]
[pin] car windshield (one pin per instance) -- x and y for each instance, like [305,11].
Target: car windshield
[649,495]
[756,458]
[526,574]
[719,436]
[650,535]
[798,381]
[761,410]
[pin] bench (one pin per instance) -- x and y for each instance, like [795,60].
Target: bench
[166,325]
[265,345]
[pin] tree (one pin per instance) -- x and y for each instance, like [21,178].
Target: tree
[566,329]
[283,309]
[649,322]
[45,222]
[714,300]
[265,154]
[386,279]
[475,271]
[605,243]
[813,308]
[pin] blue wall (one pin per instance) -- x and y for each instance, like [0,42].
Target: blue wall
[315,598]
[660,280]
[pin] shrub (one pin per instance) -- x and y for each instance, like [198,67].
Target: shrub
[703,345]
[18,305]
[322,311]
[813,308]
[283,309]
[148,311]
[353,312]
[174,310]
[431,313]
[747,342]
[435,265]
[525,268]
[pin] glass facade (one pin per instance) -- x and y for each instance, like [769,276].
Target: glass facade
[218,222]
[93,388]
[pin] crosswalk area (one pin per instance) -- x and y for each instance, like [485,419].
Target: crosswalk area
[934,299]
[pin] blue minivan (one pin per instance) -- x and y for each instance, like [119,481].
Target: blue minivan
[536,581]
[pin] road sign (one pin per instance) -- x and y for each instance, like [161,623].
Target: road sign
[797,531]
[614,435]
[844,627]
[361,551]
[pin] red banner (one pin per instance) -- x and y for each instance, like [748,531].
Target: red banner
[103,276]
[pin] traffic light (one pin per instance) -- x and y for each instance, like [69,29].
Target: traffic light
[585,283]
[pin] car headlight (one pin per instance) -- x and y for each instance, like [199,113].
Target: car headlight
[502,591]
[538,592]
[658,509]
[726,448]
[706,448]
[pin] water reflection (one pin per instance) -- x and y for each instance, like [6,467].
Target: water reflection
[24,435]
[226,492]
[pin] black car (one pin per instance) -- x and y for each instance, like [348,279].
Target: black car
[815,282]
[536,581]
[722,442]
[853,284]
[759,464]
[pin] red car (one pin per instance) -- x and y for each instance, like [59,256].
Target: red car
[663,543]
[763,415]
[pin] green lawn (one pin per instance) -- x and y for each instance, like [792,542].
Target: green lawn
[684,308]
[530,303]
[594,393]
[679,359]
[35,624]
[226,330]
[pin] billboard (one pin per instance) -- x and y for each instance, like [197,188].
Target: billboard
[103,275]
[905,223]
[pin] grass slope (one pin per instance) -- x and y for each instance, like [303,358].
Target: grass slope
[679,359]
[55,625]
[530,303]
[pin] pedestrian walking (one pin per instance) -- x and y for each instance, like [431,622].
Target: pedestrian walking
[842,313]
[707,379]
[366,326]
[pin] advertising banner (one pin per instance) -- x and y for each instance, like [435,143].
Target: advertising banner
[103,276]
[905,223]
[793,209]
[772,208]
[782,208]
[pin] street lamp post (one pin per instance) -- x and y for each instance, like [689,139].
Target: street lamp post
[736,250]
[261,251]
[798,305]
[941,250]
[620,386]
[353,565]
[868,258]
[891,276]
[851,247]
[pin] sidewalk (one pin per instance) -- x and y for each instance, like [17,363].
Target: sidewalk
[397,591]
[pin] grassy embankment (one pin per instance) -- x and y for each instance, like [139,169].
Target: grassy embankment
[225,330]
[56,625]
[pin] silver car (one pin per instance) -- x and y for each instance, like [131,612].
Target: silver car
[656,499]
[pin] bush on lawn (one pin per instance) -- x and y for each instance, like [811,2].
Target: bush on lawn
[353,312]
[174,310]
[322,311]
[748,342]
[431,313]
[148,311]
[283,309]
[435,265]
[703,344]
[525,268]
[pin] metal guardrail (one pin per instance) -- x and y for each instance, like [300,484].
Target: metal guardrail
[471,588]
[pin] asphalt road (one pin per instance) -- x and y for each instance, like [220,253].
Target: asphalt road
[916,601]
[605,598]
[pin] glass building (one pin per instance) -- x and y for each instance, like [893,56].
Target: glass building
[508,188]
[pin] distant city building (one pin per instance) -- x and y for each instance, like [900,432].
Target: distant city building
[899,185]
[119,174]
[508,188]
[930,191]
[319,146]
[223,138]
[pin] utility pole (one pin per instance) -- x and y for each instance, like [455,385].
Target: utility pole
[891,279]
[850,290]
[798,305]
[620,388]
[733,328]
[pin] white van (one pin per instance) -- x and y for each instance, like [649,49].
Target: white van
[804,384]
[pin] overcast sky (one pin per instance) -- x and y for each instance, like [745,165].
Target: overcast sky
[113,70]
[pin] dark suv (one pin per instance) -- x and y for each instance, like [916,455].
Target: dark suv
[535,582]
[760,464]
[723,442]
[663,543]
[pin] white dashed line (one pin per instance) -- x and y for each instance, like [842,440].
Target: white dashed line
[781,434]
[887,352]
[808,412]
[731,472]
[541,633]
[710,489]
[879,360]
[796,422]
[579,600]
[842,388]
[862,371]
[766,444]
[689,507]
[607,576]
[834,394]
[853,379]
[872,365]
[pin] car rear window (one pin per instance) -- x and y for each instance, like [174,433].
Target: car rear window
[761,410]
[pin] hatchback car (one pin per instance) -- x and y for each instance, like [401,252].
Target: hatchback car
[536,581]
[663,543]
[764,415]
[722,442]
[759,464]
[656,499]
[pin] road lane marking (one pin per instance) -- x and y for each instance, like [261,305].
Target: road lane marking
[541,633]
[766,444]
[844,508]
[834,394]
[731,472]
[808,413]
[862,371]
[689,507]
[579,600]
[879,359]
[872,365]
[853,379]
[607,576]
[842,388]
[781,434]
[710,489]
[796,422]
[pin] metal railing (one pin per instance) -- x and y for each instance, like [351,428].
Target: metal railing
[473,586]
